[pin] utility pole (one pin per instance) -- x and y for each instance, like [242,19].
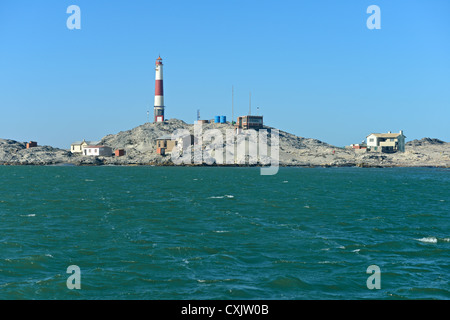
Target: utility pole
[232,104]
[250,104]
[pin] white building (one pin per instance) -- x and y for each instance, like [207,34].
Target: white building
[97,151]
[386,142]
[77,146]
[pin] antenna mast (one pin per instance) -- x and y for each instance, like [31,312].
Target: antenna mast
[250,104]
[232,104]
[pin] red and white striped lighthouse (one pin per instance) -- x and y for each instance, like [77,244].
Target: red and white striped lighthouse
[159,93]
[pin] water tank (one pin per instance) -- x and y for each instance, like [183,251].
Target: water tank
[217,119]
[223,119]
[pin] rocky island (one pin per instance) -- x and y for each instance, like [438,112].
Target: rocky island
[140,149]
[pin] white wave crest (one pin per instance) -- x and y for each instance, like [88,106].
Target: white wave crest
[428,240]
[221,197]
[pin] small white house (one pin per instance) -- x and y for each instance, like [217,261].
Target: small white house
[97,151]
[77,146]
[386,142]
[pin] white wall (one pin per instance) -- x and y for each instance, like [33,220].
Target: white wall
[103,151]
[374,143]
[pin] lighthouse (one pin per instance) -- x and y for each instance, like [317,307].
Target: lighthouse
[159,93]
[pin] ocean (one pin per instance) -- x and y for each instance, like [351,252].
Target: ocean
[224,233]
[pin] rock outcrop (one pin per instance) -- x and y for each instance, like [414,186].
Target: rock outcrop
[140,146]
[16,153]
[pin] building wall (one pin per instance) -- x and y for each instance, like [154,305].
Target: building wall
[104,151]
[89,151]
[119,152]
[372,141]
[166,144]
[388,142]
[31,144]
[401,143]
[75,148]
[249,122]
[398,143]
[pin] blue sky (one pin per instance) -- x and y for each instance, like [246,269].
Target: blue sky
[313,67]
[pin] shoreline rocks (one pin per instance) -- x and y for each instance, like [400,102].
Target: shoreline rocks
[294,151]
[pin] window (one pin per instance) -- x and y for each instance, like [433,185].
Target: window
[371,140]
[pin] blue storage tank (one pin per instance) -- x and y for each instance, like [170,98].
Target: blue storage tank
[217,119]
[223,119]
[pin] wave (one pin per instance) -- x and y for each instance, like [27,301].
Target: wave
[229,196]
[433,239]
[428,240]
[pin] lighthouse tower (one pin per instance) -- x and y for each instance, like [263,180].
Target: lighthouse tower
[159,94]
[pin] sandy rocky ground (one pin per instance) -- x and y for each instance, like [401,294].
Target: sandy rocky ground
[139,144]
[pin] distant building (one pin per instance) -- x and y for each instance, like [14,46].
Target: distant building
[97,151]
[358,146]
[165,144]
[249,122]
[386,142]
[77,146]
[31,144]
[119,152]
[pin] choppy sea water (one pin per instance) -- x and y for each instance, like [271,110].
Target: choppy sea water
[224,233]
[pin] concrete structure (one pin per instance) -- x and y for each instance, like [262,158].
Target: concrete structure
[386,142]
[165,144]
[97,151]
[31,144]
[358,146]
[77,146]
[119,152]
[159,92]
[249,122]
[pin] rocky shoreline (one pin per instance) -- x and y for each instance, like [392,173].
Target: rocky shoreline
[294,151]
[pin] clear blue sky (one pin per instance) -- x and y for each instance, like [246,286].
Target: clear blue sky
[313,67]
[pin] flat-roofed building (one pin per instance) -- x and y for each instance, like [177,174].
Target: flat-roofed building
[165,144]
[31,144]
[249,122]
[386,142]
[97,151]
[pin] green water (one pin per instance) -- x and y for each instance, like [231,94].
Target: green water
[224,233]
